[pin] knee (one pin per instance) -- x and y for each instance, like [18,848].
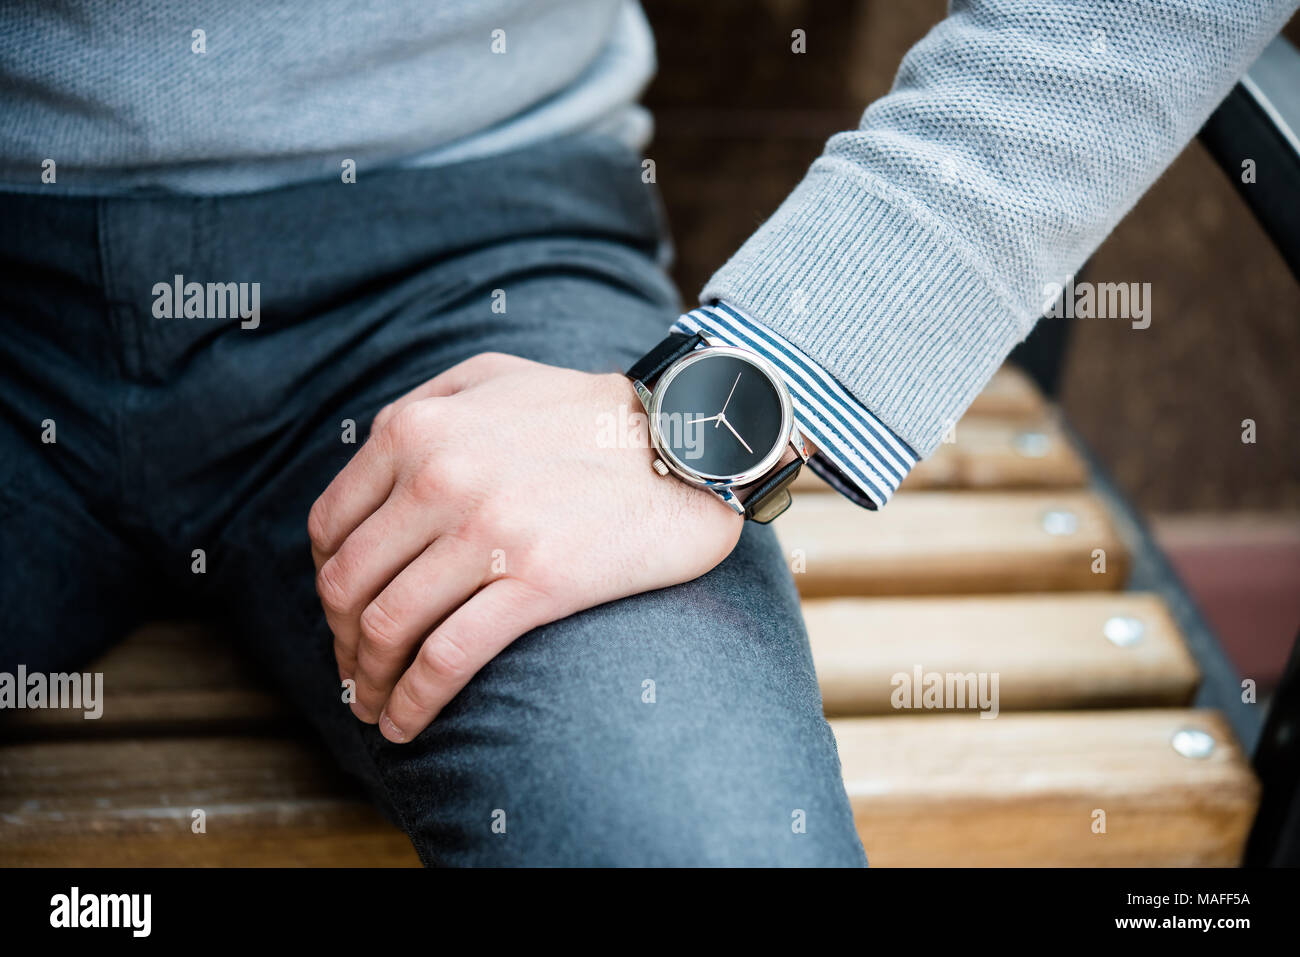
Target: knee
[642,799]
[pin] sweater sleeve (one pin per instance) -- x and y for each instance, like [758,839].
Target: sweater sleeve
[919,248]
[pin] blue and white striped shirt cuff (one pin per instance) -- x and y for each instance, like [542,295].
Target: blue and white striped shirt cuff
[857,454]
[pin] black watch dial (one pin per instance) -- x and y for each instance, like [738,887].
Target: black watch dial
[719,415]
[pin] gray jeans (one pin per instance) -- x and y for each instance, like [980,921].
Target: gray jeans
[681,726]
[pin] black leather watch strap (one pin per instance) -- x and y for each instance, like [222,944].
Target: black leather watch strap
[772,497]
[652,365]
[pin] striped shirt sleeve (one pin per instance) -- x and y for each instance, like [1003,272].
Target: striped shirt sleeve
[857,454]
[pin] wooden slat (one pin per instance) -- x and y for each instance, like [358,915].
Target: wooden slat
[128,802]
[1047,651]
[1021,789]
[951,543]
[1050,652]
[167,676]
[991,453]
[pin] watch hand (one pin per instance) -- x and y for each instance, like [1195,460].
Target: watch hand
[702,418]
[729,395]
[736,434]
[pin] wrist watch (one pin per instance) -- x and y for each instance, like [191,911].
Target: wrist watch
[721,419]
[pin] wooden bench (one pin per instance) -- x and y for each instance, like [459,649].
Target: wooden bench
[994,559]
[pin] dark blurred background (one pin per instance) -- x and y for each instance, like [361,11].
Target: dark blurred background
[739,118]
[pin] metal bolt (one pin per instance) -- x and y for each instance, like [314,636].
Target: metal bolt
[1033,445]
[1123,630]
[660,467]
[1193,743]
[1060,521]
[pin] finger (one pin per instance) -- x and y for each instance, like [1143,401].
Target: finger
[459,377]
[437,582]
[356,493]
[472,635]
[371,557]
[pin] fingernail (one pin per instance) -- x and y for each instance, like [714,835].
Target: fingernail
[391,731]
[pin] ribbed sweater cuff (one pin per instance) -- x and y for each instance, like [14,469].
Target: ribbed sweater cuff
[875,288]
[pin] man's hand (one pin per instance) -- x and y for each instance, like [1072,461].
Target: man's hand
[487,502]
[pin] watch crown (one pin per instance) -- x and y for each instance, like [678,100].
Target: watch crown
[660,467]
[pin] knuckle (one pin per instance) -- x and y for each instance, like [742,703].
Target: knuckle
[407,699]
[332,588]
[379,629]
[484,360]
[535,570]
[443,478]
[383,417]
[428,484]
[493,522]
[444,660]
[488,363]
[411,422]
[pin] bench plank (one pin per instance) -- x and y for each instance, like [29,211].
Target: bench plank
[1010,393]
[991,453]
[1022,789]
[934,543]
[1048,651]
[129,802]
[167,676]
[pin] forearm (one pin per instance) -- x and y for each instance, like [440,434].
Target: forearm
[916,252]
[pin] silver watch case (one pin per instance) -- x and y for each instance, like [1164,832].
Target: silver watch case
[721,486]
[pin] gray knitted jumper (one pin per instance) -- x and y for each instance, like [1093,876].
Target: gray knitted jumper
[908,262]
